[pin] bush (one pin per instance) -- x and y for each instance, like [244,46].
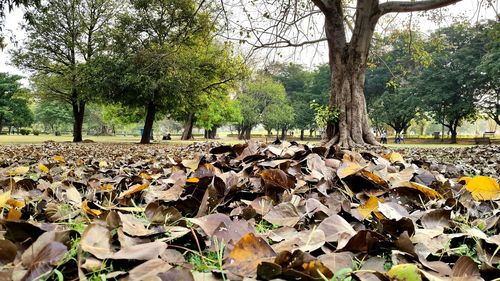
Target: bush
[58,133]
[36,132]
[25,132]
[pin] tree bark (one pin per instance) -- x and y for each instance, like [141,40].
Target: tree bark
[302,134]
[211,134]
[78,115]
[283,133]
[187,134]
[148,124]
[248,133]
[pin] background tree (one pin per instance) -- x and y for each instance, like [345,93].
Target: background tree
[257,95]
[489,69]
[449,87]
[9,5]
[61,38]
[164,57]
[217,113]
[390,97]
[53,115]
[279,116]
[14,108]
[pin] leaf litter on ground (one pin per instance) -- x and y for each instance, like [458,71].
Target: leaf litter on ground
[248,211]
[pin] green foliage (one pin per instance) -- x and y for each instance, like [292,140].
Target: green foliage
[302,87]
[449,87]
[14,107]
[52,115]
[323,114]
[257,98]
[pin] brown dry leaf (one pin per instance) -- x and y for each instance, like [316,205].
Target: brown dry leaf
[146,251]
[247,254]
[336,228]
[134,189]
[45,259]
[133,226]
[482,188]
[96,239]
[8,252]
[284,214]
[210,223]
[148,270]
[276,178]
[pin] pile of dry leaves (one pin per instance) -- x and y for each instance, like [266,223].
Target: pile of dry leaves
[252,211]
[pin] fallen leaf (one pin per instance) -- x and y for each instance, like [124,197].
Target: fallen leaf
[483,188]
[4,197]
[284,214]
[404,272]
[247,254]
[96,239]
[371,205]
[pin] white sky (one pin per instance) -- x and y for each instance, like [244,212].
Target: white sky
[308,56]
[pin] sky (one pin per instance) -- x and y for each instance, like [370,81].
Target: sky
[309,56]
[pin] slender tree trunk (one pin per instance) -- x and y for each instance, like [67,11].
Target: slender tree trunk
[212,133]
[302,134]
[453,131]
[1,125]
[205,134]
[78,115]
[283,133]
[248,133]
[148,124]
[187,134]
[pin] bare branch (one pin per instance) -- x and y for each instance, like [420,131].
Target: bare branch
[413,6]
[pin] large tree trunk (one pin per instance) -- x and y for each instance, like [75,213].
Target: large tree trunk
[78,115]
[283,133]
[348,65]
[148,124]
[187,134]
[211,134]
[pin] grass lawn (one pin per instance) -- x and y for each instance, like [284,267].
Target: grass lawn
[31,139]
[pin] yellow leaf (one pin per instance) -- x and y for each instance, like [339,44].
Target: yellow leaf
[88,210]
[348,168]
[193,180]
[16,203]
[103,164]
[43,168]
[394,157]
[369,206]
[134,189]
[14,214]
[404,272]
[483,188]
[429,192]
[4,197]
[106,187]
[58,158]
[21,170]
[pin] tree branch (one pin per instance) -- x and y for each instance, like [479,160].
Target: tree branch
[413,6]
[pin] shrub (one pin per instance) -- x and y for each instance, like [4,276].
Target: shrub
[25,132]
[36,132]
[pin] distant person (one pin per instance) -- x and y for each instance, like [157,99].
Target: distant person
[397,138]
[167,137]
[383,138]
